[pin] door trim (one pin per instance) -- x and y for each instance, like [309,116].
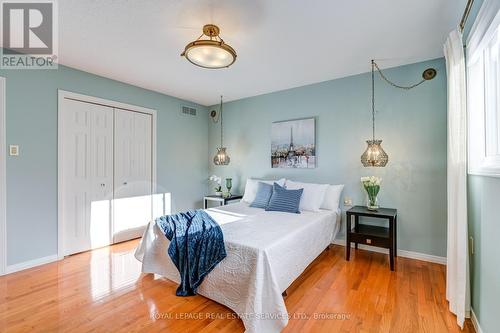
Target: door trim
[63,94]
[3,181]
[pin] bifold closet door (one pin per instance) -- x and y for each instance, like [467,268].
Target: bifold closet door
[132,206]
[87,186]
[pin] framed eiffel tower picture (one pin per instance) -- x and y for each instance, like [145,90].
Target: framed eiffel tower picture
[293,144]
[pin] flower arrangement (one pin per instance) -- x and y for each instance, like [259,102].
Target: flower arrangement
[218,181]
[372,187]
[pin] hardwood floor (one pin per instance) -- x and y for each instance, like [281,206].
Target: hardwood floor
[104,291]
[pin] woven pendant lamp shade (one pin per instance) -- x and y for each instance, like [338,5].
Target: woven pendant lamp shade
[374,155]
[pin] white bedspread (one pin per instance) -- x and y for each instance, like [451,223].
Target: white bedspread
[266,252]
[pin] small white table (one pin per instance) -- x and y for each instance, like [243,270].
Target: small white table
[221,200]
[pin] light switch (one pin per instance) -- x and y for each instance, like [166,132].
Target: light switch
[14,150]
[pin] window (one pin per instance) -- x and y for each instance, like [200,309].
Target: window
[483,91]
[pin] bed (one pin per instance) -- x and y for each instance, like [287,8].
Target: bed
[266,252]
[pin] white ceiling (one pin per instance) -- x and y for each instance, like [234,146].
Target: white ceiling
[280,43]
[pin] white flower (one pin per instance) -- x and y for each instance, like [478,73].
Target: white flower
[371,181]
[215,179]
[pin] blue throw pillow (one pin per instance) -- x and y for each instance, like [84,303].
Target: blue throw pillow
[264,192]
[284,200]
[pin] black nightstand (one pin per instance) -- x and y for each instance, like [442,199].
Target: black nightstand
[221,200]
[372,235]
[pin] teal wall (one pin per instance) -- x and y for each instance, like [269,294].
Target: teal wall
[484,227]
[32,177]
[411,123]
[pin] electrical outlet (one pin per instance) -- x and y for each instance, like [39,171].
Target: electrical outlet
[14,150]
[347,201]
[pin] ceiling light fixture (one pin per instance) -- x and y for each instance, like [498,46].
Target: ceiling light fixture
[210,53]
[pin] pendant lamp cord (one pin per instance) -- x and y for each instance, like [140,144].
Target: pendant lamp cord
[221,122]
[394,84]
[375,66]
[373,99]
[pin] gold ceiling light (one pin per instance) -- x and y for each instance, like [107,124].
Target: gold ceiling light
[210,53]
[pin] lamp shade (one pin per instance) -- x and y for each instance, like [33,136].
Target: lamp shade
[374,155]
[221,157]
[209,54]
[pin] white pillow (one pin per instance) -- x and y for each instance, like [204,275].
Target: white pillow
[313,194]
[252,185]
[332,197]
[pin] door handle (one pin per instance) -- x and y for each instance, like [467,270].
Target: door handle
[125,183]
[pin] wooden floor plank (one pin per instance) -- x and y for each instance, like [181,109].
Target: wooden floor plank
[104,291]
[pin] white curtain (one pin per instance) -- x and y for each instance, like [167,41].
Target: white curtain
[457,269]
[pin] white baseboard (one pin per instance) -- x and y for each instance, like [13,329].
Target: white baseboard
[31,263]
[401,253]
[475,322]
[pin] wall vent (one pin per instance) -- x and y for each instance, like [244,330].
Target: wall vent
[188,110]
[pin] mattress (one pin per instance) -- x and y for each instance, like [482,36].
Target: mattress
[266,252]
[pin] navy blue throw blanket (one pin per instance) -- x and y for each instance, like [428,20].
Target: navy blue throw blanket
[196,246]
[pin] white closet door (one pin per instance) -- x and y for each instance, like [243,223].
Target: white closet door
[87,146]
[132,206]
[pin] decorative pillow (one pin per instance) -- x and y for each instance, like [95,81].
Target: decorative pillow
[313,195]
[284,200]
[264,192]
[252,186]
[332,197]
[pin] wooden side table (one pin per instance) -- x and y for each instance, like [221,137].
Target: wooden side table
[372,235]
[221,200]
